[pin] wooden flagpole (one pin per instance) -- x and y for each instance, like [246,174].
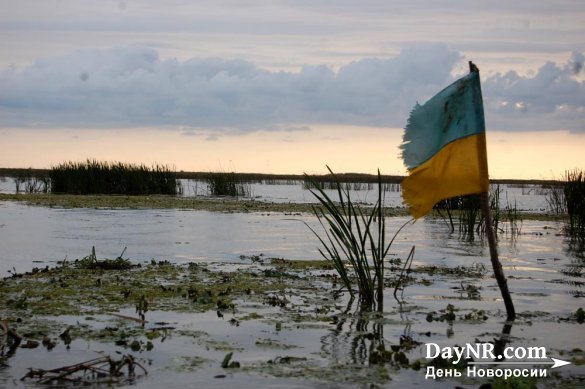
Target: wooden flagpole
[498,271]
[489,230]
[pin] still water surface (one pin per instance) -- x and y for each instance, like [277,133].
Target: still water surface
[39,236]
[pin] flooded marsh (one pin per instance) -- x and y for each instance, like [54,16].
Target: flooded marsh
[203,284]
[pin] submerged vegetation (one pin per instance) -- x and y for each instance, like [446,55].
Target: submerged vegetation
[105,371]
[116,284]
[135,312]
[95,177]
[222,204]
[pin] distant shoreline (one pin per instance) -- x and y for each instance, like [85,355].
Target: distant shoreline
[252,177]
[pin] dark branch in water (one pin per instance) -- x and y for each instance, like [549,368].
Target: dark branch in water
[104,369]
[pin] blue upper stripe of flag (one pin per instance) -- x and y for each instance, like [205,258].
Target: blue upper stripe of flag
[454,113]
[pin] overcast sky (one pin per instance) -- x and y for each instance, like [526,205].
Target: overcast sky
[277,73]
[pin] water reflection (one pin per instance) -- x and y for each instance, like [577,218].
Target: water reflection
[575,269]
[9,341]
[358,338]
[502,342]
[575,247]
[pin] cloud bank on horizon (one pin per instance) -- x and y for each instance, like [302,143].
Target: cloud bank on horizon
[130,87]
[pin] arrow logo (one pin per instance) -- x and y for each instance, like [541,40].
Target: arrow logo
[559,363]
[554,362]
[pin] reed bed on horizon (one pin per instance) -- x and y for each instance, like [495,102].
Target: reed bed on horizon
[98,177]
[311,182]
[332,185]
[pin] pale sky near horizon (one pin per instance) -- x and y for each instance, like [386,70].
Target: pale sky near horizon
[284,86]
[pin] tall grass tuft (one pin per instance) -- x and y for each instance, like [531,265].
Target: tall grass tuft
[355,241]
[96,177]
[467,210]
[555,198]
[574,193]
[567,197]
[513,218]
[227,184]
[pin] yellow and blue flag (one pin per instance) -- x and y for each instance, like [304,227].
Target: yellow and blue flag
[444,147]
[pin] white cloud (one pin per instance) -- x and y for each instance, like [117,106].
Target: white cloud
[134,87]
[553,98]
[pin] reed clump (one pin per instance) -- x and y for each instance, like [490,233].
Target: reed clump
[555,198]
[97,177]
[30,181]
[574,193]
[470,220]
[567,197]
[514,219]
[468,212]
[227,184]
[355,241]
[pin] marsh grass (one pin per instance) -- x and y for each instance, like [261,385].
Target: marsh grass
[227,184]
[470,218]
[96,177]
[574,193]
[329,182]
[29,181]
[567,197]
[355,241]
[513,218]
[465,212]
[555,199]
[310,183]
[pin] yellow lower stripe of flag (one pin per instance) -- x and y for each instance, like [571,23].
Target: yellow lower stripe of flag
[459,168]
